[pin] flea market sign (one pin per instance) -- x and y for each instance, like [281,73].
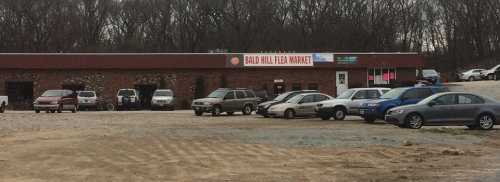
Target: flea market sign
[278,59]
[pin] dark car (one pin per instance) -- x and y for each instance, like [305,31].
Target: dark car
[56,100]
[262,108]
[451,108]
[376,109]
[226,100]
[431,75]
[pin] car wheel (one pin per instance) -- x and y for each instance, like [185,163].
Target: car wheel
[266,116]
[414,121]
[485,121]
[289,114]
[52,111]
[471,79]
[198,113]
[247,110]
[110,107]
[339,114]
[37,111]
[60,108]
[370,119]
[2,108]
[216,111]
[230,113]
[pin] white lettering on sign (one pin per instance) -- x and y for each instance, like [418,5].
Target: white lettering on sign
[258,60]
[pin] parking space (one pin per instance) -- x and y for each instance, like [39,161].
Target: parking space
[179,146]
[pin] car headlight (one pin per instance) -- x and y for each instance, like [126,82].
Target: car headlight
[373,105]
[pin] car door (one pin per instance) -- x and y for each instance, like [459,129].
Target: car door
[441,112]
[306,105]
[467,108]
[411,96]
[241,99]
[229,102]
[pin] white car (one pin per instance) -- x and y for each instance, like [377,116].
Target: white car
[163,99]
[299,105]
[127,99]
[471,75]
[348,103]
[490,74]
[87,100]
[4,101]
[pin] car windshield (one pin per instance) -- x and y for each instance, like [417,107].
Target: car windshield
[53,93]
[346,95]
[285,96]
[217,94]
[126,93]
[294,99]
[86,94]
[163,93]
[430,73]
[394,93]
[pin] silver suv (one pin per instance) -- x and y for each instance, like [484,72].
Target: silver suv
[226,100]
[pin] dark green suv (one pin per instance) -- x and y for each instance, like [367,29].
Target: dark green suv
[226,100]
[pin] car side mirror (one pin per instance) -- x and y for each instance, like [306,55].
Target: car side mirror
[432,103]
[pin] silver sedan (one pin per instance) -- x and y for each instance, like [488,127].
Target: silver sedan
[450,108]
[300,105]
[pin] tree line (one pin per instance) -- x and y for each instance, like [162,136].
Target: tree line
[458,33]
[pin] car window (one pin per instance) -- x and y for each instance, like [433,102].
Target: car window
[86,94]
[449,99]
[424,93]
[249,94]
[372,94]
[360,95]
[319,98]
[229,95]
[308,99]
[469,99]
[477,71]
[385,91]
[240,94]
[411,94]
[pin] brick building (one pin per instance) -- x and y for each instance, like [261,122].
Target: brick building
[23,77]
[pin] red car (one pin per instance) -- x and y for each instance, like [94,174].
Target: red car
[56,100]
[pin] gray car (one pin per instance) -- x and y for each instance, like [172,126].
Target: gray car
[226,100]
[449,108]
[300,105]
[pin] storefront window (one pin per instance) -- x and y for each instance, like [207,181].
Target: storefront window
[381,76]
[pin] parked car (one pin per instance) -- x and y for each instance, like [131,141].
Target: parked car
[263,108]
[300,105]
[377,109]
[471,75]
[490,74]
[56,100]
[348,103]
[4,102]
[128,99]
[451,108]
[87,100]
[163,99]
[226,100]
[431,75]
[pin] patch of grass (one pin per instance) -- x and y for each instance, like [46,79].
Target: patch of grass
[456,131]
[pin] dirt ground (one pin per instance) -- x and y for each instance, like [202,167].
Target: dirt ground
[177,146]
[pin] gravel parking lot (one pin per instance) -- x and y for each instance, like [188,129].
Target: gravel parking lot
[177,146]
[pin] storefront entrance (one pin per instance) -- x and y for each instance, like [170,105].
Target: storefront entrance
[146,94]
[342,82]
